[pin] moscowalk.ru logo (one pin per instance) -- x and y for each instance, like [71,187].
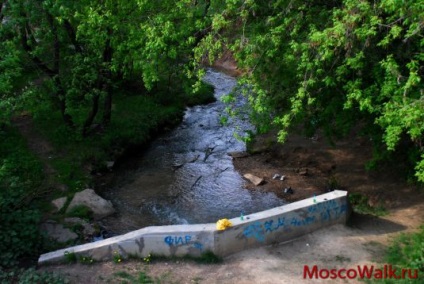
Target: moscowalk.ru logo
[361,271]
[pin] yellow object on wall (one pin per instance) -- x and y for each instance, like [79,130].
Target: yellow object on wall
[223,224]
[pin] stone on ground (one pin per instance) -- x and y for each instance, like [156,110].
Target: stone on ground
[254,179]
[58,232]
[59,203]
[101,207]
[88,229]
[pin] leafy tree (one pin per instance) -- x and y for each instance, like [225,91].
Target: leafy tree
[330,65]
[85,49]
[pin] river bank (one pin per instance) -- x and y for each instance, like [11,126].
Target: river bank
[43,160]
[309,166]
[363,242]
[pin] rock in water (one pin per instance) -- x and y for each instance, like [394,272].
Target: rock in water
[100,207]
[254,179]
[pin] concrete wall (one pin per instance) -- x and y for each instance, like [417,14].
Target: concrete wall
[263,228]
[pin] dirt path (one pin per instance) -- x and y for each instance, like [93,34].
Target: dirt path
[362,242]
[41,147]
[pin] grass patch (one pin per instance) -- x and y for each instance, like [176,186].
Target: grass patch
[406,252]
[141,278]
[80,211]
[360,205]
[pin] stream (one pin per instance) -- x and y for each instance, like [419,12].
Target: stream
[186,175]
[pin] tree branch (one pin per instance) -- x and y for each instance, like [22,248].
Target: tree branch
[56,43]
[37,61]
[72,35]
[2,4]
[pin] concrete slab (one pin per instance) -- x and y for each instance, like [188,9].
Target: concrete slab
[262,228]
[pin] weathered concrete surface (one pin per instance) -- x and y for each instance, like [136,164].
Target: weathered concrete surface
[174,240]
[263,228]
[283,223]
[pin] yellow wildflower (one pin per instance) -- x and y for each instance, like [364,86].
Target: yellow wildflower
[223,224]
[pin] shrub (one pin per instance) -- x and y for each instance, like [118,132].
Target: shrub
[19,234]
[20,176]
[30,276]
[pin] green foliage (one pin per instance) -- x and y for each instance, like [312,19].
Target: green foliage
[30,276]
[80,211]
[117,257]
[70,257]
[361,205]
[147,259]
[10,71]
[20,178]
[84,50]
[331,65]
[408,251]
[333,183]
[142,278]
[137,118]
[202,95]
[86,260]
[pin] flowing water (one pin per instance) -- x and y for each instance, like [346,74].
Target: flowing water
[186,176]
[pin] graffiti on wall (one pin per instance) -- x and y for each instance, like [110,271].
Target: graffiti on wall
[182,241]
[323,212]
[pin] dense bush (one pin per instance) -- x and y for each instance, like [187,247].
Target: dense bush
[30,276]
[20,175]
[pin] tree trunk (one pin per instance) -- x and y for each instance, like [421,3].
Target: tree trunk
[54,73]
[89,121]
[107,108]
[72,36]
[61,97]
[61,94]
[107,59]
